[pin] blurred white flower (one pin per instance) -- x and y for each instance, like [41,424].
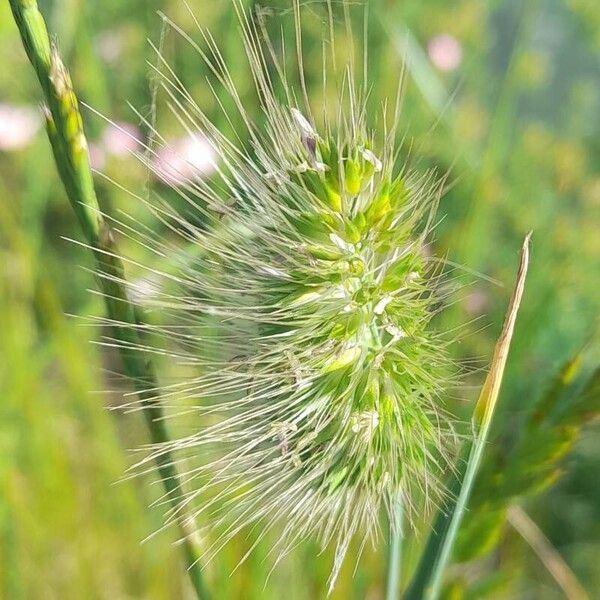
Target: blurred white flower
[144,289]
[445,52]
[109,45]
[184,160]
[120,138]
[18,126]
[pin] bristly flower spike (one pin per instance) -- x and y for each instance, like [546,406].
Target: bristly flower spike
[304,302]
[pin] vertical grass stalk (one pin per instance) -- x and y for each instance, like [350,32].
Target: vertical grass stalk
[395,553]
[427,582]
[69,146]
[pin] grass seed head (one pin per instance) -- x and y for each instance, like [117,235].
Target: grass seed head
[304,302]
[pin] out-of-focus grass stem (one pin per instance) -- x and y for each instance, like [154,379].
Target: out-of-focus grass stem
[69,145]
[550,557]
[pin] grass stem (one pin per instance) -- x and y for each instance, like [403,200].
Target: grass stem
[428,579]
[548,555]
[395,554]
[69,145]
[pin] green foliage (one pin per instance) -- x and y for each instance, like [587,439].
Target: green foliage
[518,132]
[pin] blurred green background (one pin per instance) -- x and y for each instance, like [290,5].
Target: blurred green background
[504,96]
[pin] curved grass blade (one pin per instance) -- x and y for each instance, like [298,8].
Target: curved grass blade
[69,145]
[427,582]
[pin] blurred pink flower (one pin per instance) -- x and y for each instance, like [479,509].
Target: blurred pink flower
[97,156]
[476,302]
[18,126]
[120,139]
[445,52]
[184,160]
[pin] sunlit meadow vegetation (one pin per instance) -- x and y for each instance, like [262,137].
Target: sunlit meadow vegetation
[501,97]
